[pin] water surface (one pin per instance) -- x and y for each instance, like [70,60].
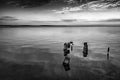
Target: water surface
[43,46]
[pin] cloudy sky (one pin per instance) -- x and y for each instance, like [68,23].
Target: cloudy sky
[59,12]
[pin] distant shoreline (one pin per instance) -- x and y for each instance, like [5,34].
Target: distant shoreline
[15,26]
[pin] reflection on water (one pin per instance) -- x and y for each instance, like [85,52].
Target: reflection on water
[98,38]
[66,63]
[44,47]
[90,34]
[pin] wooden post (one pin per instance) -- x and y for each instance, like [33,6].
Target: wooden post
[108,51]
[85,49]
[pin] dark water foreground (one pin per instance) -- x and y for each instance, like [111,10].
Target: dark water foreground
[48,66]
[36,53]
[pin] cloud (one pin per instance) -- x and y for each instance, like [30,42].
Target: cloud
[112,20]
[69,20]
[92,6]
[7,18]
[26,3]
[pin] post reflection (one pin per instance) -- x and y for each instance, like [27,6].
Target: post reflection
[66,63]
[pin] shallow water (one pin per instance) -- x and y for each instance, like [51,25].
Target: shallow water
[42,49]
[98,38]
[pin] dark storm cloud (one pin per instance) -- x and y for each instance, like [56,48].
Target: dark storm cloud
[37,3]
[8,18]
[2,3]
[24,3]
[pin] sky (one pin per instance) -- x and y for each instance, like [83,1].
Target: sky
[59,12]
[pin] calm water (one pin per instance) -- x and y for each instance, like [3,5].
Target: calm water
[44,46]
[98,38]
